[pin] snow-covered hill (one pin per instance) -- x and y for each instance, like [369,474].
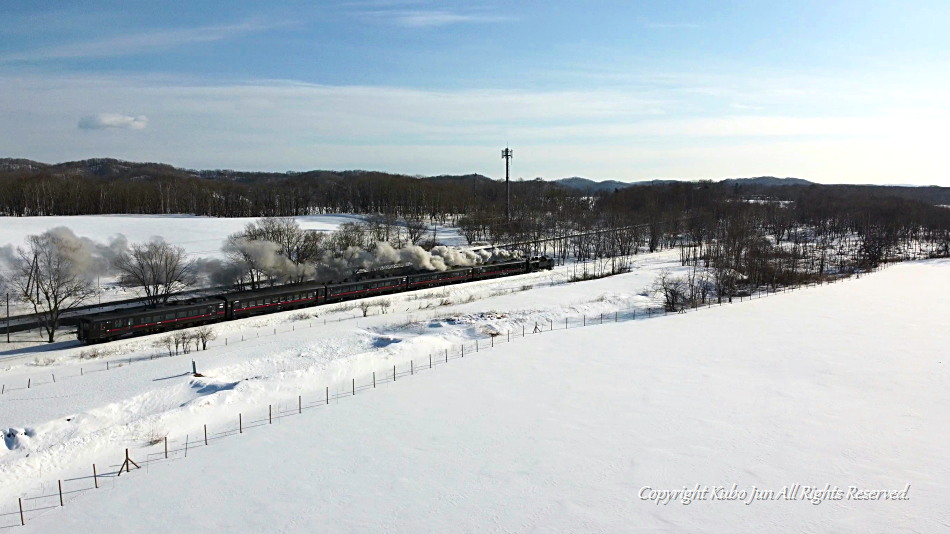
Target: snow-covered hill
[558,431]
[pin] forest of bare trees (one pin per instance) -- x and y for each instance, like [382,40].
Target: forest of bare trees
[732,238]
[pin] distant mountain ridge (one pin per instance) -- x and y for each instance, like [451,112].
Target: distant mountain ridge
[585,184]
[110,169]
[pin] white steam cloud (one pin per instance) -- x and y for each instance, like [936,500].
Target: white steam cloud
[103,121]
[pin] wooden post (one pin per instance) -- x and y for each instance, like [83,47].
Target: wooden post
[28,381]
[412,367]
[493,341]
[354,386]
[565,323]
[95,477]
[166,447]
[394,373]
[585,321]
[22,520]
[240,424]
[299,404]
[463,350]
[186,445]
[328,394]
[616,314]
[430,361]
[60,482]
[446,355]
[206,434]
[128,463]
[374,379]
[476,344]
[270,415]
[54,377]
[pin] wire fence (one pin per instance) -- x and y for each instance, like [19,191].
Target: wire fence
[56,494]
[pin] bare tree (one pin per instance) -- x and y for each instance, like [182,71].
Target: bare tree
[156,267]
[167,343]
[183,338]
[673,289]
[364,307]
[205,335]
[415,229]
[49,276]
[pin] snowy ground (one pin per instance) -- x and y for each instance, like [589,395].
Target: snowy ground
[559,431]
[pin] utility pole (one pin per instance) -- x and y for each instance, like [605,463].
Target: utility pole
[507,154]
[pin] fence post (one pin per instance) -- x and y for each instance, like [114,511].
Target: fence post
[95,477]
[601,318]
[22,520]
[394,373]
[328,394]
[476,344]
[299,404]
[565,323]
[28,381]
[446,355]
[585,321]
[166,447]
[240,424]
[60,482]
[206,434]
[616,314]
[354,386]
[374,378]
[270,414]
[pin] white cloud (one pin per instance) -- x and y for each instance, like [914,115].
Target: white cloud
[433,18]
[103,121]
[143,42]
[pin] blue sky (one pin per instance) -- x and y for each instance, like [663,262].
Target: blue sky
[843,92]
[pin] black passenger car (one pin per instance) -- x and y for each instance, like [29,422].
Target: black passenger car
[260,301]
[113,325]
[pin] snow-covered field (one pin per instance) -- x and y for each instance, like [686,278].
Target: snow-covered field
[559,431]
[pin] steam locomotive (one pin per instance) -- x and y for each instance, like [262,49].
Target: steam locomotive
[109,326]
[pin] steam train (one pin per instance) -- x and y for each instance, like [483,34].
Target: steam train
[109,326]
